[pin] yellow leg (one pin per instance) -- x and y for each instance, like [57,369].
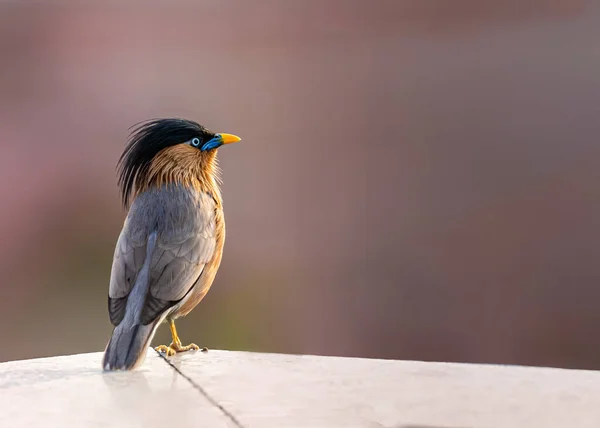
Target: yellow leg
[175,345]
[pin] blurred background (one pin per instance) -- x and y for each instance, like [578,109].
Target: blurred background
[418,179]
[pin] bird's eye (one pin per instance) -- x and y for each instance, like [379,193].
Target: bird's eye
[195,142]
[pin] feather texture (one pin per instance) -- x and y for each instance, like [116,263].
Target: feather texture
[146,141]
[185,223]
[171,244]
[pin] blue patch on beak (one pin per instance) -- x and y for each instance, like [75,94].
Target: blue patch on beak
[213,143]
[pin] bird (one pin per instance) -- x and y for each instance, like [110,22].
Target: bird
[171,243]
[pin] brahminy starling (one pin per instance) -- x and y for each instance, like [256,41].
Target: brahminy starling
[171,244]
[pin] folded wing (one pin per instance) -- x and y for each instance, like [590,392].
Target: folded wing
[185,224]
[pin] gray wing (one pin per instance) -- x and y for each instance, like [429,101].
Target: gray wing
[127,262]
[186,228]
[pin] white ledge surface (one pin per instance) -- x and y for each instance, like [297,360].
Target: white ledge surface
[273,390]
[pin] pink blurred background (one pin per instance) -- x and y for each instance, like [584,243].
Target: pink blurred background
[418,179]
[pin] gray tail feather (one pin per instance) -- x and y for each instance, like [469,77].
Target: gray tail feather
[128,346]
[130,339]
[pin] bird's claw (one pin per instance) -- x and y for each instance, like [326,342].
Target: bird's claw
[167,350]
[174,348]
[190,347]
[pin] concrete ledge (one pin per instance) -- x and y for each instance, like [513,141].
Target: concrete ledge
[232,389]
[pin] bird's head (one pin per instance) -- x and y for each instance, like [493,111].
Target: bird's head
[165,149]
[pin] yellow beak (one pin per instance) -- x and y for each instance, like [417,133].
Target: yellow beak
[229,138]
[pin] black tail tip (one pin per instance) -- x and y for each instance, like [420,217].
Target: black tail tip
[112,367]
[111,362]
[107,367]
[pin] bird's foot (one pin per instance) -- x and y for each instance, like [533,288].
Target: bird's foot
[175,348]
[176,345]
[167,350]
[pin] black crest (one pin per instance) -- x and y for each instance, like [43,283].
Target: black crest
[145,141]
